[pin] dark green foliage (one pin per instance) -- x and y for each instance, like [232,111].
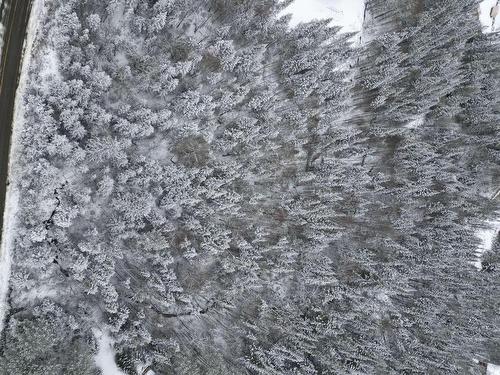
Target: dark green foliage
[47,341]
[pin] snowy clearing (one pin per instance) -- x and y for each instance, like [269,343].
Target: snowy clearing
[11,199]
[492,369]
[487,236]
[345,13]
[105,357]
[484,16]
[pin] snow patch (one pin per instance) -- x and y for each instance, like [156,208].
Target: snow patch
[484,16]
[347,14]
[142,368]
[487,237]
[156,147]
[121,59]
[416,123]
[49,71]
[117,11]
[492,369]
[39,293]
[105,357]
[50,62]
[7,242]
[2,30]
[2,27]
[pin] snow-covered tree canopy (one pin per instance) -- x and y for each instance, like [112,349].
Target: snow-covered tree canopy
[204,189]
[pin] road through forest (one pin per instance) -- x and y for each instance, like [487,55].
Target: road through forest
[15,22]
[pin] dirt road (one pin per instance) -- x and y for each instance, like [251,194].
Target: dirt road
[15,22]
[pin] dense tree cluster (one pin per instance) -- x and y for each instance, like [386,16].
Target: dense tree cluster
[225,195]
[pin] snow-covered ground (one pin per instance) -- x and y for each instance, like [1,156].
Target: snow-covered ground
[484,16]
[487,237]
[12,192]
[143,369]
[345,13]
[492,369]
[105,357]
[2,28]
[416,122]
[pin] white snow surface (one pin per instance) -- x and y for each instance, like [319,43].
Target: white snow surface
[142,367]
[484,16]
[2,29]
[487,236]
[12,194]
[347,14]
[105,357]
[50,65]
[416,122]
[492,369]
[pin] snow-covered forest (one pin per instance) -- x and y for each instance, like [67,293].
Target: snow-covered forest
[205,187]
